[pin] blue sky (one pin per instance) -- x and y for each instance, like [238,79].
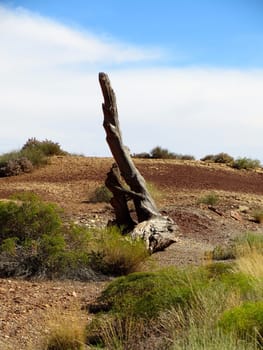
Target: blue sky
[188,74]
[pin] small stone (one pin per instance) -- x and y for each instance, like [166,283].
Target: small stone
[235,215]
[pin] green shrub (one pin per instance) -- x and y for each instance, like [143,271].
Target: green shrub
[225,275]
[146,294]
[210,199]
[218,269]
[224,252]
[34,153]
[144,155]
[208,158]
[245,320]
[222,158]
[116,254]
[101,195]
[180,307]
[187,157]
[8,245]
[246,163]
[36,156]
[29,219]
[133,302]
[34,240]
[161,153]
[47,147]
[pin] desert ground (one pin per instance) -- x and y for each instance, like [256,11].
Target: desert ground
[179,185]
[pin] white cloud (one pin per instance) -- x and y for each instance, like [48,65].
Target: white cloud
[39,43]
[49,89]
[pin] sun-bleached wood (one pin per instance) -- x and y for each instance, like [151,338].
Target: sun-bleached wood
[157,230]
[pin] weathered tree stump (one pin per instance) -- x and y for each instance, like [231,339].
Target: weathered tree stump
[157,231]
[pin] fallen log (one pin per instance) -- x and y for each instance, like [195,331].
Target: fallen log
[158,231]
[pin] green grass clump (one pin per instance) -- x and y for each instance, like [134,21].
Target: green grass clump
[210,199]
[101,195]
[240,246]
[246,163]
[206,339]
[116,254]
[245,320]
[178,308]
[146,294]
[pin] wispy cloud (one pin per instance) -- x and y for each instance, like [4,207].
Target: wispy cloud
[45,92]
[39,42]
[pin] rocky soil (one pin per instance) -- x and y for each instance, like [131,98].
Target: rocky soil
[69,181]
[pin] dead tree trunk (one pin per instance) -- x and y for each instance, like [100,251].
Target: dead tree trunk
[158,231]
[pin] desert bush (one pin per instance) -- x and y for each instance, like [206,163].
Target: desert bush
[161,153]
[14,166]
[186,157]
[246,163]
[210,199]
[47,147]
[29,219]
[34,153]
[35,241]
[245,320]
[101,195]
[144,155]
[222,158]
[116,254]
[208,158]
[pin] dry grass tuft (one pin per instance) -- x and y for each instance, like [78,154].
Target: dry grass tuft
[251,264]
[66,329]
